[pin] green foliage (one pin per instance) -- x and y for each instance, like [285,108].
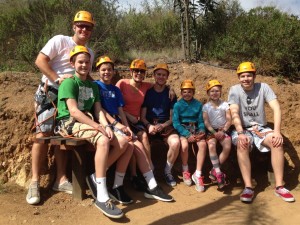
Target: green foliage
[223,31]
[266,36]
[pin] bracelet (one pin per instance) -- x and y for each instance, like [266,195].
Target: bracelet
[212,131]
[107,125]
[114,123]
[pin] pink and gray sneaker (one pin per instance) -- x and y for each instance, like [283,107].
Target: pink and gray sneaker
[247,195]
[284,194]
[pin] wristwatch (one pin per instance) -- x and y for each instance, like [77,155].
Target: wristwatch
[57,81]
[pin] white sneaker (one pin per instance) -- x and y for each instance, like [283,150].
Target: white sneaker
[63,187]
[33,195]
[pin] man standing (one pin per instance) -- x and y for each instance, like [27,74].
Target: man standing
[157,116]
[54,62]
[246,102]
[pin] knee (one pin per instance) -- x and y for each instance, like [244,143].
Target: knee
[123,143]
[103,141]
[175,144]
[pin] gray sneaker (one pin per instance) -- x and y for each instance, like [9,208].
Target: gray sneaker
[64,187]
[109,209]
[33,195]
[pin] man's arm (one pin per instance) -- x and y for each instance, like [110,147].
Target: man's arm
[236,120]
[42,62]
[277,139]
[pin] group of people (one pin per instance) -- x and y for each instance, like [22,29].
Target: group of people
[119,120]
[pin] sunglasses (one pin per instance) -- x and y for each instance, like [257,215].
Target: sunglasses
[82,26]
[138,71]
[249,100]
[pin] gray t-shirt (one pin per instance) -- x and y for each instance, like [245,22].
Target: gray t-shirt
[251,103]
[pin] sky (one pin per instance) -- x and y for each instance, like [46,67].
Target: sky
[290,6]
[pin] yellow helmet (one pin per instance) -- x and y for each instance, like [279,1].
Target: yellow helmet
[138,64]
[78,49]
[212,83]
[103,59]
[84,16]
[246,67]
[163,66]
[187,84]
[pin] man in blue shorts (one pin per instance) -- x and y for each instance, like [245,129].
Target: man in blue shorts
[156,115]
[246,102]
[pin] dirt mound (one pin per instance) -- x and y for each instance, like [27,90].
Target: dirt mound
[16,120]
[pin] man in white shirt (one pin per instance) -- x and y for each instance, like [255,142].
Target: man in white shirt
[54,62]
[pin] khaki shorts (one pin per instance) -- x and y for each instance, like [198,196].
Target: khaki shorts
[81,130]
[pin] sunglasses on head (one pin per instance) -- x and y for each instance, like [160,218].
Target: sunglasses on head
[138,71]
[82,26]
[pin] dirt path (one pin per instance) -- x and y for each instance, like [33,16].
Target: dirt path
[190,207]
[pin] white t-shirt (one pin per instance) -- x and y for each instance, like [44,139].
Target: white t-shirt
[216,116]
[58,50]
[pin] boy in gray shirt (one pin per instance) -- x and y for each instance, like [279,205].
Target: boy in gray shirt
[246,102]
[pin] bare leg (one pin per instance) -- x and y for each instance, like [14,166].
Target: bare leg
[61,159]
[277,159]
[201,154]
[244,164]
[174,147]
[39,154]
[184,151]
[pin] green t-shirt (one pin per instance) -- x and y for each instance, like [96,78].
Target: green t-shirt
[86,93]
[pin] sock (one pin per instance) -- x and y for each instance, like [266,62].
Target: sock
[185,168]
[215,162]
[119,177]
[198,173]
[102,194]
[149,177]
[168,167]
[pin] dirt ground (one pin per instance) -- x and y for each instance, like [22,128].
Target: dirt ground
[189,207]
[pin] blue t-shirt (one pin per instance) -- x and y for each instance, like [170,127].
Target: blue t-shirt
[158,105]
[111,97]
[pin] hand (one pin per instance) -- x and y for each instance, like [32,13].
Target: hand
[220,135]
[65,76]
[159,127]
[191,139]
[109,132]
[102,130]
[152,129]
[244,141]
[277,139]
[199,136]
[172,94]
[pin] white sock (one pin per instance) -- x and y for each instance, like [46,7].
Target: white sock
[185,168]
[149,177]
[168,167]
[119,177]
[102,194]
[198,173]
